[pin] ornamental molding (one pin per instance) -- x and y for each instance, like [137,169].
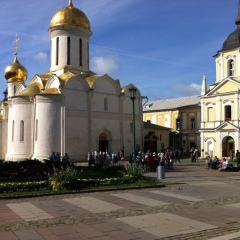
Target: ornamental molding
[228,57]
[228,102]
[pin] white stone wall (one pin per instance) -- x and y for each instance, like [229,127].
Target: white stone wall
[20,148]
[47,134]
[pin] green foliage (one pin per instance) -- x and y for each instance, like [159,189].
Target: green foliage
[23,186]
[64,178]
[25,176]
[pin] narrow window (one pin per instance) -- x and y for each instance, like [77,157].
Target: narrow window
[80,52]
[22,131]
[131,127]
[210,114]
[178,124]
[228,113]
[68,50]
[160,137]
[192,123]
[105,104]
[231,68]
[57,50]
[88,52]
[36,130]
[13,130]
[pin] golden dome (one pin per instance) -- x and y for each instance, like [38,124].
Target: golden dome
[70,16]
[15,72]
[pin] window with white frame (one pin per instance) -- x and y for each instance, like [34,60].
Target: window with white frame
[192,123]
[178,122]
[228,112]
[231,67]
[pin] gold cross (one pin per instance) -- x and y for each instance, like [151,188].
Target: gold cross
[15,42]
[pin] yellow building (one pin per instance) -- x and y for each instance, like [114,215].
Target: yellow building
[220,104]
[155,137]
[181,115]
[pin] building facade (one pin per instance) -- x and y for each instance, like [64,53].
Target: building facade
[181,115]
[220,104]
[68,108]
[156,137]
[209,122]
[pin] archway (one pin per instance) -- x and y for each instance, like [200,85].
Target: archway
[210,147]
[103,142]
[228,144]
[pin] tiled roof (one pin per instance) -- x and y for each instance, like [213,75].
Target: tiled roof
[151,125]
[174,103]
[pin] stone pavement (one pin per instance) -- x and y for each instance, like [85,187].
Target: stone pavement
[195,204]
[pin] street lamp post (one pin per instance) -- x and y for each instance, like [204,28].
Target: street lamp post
[133,91]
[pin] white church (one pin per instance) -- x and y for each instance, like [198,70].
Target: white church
[69,108]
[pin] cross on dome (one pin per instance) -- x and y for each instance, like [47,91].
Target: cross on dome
[15,42]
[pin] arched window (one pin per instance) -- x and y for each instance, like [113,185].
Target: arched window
[36,130]
[230,67]
[105,104]
[21,131]
[131,127]
[80,52]
[57,50]
[88,52]
[68,50]
[13,130]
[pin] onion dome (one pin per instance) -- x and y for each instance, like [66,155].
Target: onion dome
[233,40]
[70,16]
[15,72]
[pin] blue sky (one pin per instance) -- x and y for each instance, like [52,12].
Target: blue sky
[163,47]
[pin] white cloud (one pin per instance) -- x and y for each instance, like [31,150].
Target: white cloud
[41,56]
[187,90]
[103,65]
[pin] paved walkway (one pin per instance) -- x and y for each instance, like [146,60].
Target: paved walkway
[195,204]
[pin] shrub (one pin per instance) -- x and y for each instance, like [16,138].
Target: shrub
[64,179]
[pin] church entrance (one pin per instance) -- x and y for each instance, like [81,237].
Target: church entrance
[103,142]
[228,144]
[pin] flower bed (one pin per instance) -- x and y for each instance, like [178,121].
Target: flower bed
[34,175]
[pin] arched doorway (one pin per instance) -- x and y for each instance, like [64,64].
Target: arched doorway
[210,147]
[228,144]
[103,142]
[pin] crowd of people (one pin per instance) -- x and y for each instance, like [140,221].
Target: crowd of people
[149,161]
[104,158]
[222,165]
